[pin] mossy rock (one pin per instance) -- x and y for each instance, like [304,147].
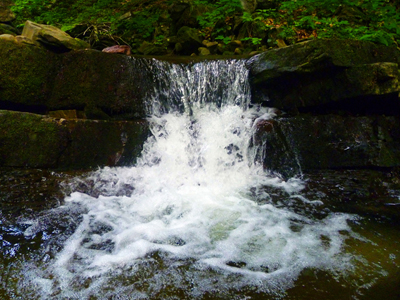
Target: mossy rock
[6,15]
[7,29]
[320,72]
[35,141]
[30,140]
[189,39]
[319,54]
[26,74]
[52,37]
[104,85]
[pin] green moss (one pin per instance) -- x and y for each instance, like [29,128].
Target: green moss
[26,72]
[30,140]
[35,141]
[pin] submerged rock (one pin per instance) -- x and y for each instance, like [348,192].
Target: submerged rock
[36,141]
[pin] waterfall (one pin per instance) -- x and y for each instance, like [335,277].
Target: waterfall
[194,217]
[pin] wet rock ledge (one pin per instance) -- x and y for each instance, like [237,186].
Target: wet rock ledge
[339,103]
[82,108]
[34,141]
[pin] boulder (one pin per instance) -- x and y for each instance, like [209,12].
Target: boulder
[118,49]
[7,37]
[35,141]
[211,46]
[26,75]
[52,37]
[103,85]
[320,72]
[186,13]
[189,40]
[249,5]
[307,142]
[203,51]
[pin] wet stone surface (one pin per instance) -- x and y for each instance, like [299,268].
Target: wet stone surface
[369,193]
[27,195]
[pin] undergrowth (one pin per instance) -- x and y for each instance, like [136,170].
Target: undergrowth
[132,21]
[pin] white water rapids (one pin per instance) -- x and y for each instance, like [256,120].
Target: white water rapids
[197,220]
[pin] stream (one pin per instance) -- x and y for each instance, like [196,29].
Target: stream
[197,216]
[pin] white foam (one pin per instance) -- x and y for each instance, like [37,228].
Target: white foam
[191,209]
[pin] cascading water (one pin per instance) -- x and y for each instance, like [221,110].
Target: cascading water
[194,217]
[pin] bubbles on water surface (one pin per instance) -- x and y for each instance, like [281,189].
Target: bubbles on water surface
[191,218]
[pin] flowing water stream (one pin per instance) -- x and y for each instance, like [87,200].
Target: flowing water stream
[196,216]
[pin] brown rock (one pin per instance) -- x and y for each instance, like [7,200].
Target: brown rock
[120,49]
[52,37]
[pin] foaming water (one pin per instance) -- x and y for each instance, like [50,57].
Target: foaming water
[190,218]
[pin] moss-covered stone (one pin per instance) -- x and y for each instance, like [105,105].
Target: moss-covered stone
[36,141]
[189,39]
[52,37]
[30,140]
[26,74]
[104,85]
[323,71]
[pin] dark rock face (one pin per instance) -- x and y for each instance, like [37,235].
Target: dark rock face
[103,85]
[26,74]
[330,142]
[342,104]
[189,40]
[35,141]
[342,86]
[319,72]
[8,29]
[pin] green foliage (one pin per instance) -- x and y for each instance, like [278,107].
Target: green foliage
[224,39]
[140,24]
[372,20]
[255,41]
[218,20]
[159,40]
[292,21]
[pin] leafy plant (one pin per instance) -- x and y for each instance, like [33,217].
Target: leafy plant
[218,20]
[254,40]
[224,39]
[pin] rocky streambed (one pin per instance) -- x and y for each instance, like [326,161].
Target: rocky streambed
[372,195]
[336,127]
